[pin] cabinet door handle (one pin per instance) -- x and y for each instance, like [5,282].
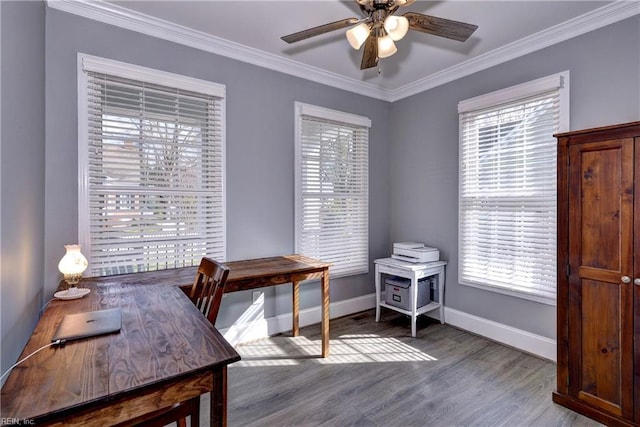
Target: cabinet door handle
[637,281]
[626,279]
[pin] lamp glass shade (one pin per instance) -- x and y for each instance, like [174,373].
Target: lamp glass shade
[72,264]
[396,27]
[386,47]
[358,35]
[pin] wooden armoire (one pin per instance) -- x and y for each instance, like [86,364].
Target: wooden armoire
[599,273]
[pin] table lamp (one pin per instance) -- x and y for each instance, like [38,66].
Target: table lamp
[72,265]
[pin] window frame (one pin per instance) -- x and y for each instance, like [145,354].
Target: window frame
[328,115]
[125,70]
[521,92]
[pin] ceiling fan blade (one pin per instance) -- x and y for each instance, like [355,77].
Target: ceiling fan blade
[370,54]
[316,31]
[439,26]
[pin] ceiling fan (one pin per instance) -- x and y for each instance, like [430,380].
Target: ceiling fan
[380,28]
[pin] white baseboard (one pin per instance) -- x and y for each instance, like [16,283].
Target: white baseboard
[522,340]
[262,328]
[526,341]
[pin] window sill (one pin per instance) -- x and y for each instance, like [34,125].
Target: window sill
[514,293]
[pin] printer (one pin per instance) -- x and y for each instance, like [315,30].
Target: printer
[414,252]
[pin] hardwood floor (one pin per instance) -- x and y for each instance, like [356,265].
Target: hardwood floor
[378,375]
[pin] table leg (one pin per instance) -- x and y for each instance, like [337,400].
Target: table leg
[296,309]
[414,304]
[218,410]
[378,292]
[441,279]
[325,313]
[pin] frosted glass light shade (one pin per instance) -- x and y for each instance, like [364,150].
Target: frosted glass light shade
[358,35]
[386,47]
[396,27]
[72,264]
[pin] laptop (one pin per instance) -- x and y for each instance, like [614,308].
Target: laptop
[88,324]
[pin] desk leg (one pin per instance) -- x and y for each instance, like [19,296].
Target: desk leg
[414,303]
[441,279]
[378,292]
[296,309]
[325,313]
[219,398]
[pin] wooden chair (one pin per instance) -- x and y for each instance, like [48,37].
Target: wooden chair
[208,287]
[206,294]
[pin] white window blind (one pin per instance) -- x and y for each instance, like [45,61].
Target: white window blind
[507,195]
[332,188]
[152,193]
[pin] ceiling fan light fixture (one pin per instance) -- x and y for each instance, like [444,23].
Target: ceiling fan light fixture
[357,35]
[380,28]
[396,27]
[386,47]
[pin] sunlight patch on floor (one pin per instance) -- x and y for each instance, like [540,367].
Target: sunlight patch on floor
[359,348]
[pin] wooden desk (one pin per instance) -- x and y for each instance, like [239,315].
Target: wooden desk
[249,274]
[258,273]
[166,353]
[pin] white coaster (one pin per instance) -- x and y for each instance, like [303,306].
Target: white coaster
[72,293]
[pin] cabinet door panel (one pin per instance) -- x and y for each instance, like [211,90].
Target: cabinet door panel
[605,213]
[601,374]
[600,254]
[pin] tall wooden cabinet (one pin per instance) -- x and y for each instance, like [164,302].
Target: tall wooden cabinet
[599,273]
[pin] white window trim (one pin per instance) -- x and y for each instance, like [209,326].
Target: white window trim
[300,109]
[559,81]
[556,81]
[87,62]
[328,114]
[137,72]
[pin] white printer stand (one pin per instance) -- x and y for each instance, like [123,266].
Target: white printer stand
[414,272]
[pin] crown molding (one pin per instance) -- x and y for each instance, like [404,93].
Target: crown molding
[577,26]
[113,14]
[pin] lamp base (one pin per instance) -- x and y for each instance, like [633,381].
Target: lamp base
[72,293]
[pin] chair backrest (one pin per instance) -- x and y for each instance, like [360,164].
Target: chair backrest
[208,287]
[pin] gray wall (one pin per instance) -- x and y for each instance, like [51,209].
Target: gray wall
[22,173]
[413,154]
[260,143]
[605,89]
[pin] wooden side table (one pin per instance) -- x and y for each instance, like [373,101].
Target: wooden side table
[414,272]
